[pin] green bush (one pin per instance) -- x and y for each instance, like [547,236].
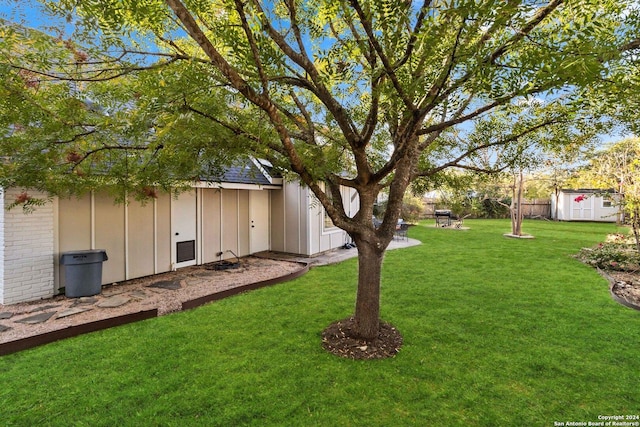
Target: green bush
[492,209]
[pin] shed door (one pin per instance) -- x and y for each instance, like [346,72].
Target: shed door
[183,229]
[582,209]
[259,221]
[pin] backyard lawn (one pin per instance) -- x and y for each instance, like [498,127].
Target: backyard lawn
[497,332]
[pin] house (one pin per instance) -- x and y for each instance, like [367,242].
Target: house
[244,212]
[585,205]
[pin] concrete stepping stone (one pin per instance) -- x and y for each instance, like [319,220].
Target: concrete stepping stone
[4,328]
[171,285]
[115,301]
[71,311]
[44,308]
[84,301]
[194,281]
[38,318]
[6,315]
[138,294]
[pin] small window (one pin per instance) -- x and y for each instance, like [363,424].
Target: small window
[607,203]
[327,222]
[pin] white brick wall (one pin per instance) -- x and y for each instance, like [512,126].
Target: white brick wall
[2,204]
[26,251]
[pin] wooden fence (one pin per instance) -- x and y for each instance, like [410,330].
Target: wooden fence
[535,208]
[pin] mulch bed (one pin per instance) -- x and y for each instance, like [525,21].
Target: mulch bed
[339,339]
[625,287]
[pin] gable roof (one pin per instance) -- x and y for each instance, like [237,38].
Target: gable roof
[248,171]
[244,174]
[587,191]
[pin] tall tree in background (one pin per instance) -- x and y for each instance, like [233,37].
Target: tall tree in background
[617,167]
[370,95]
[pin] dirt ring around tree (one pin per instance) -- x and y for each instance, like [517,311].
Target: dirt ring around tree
[339,339]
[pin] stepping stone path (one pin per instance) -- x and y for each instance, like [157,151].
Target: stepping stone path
[166,284]
[86,300]
[138,295]
[80,305]
[194,281]
[71,311]
[5,315]
[38,318]
[115,301]
[44,308]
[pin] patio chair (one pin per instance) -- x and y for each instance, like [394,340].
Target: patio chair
[459,221]
[401,231]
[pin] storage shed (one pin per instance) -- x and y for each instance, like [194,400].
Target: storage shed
[585,205]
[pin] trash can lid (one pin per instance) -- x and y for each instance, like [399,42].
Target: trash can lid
[88,256]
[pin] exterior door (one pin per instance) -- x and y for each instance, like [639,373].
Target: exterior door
[183,229]
[582,208]
[259,221]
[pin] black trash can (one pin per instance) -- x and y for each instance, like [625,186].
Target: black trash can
[82,272]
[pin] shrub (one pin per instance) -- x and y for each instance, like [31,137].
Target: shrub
[616,253]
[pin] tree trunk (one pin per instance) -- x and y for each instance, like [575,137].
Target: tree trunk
[519,213]
[367,315]
[512,208]
[635,227]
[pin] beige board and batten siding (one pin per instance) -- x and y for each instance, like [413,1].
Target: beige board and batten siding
[243,222]
[234,223]
[141,239]
[109,229]
[297,221]
[135,235]
[278,221]
[163,233]
[225,223]
[211,228]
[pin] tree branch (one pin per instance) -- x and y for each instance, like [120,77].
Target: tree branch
[511,138]
[411,44]
[106,147]
[389,70]
[318,88]
[253,46]
[490,59]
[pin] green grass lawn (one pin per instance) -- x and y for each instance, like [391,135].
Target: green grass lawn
[498,332]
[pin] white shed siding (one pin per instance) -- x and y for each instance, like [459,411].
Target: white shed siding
[591,208]
[26,251]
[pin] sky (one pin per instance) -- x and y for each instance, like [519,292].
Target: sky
[30,14]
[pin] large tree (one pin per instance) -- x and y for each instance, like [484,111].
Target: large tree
[356,93]
[617,167]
